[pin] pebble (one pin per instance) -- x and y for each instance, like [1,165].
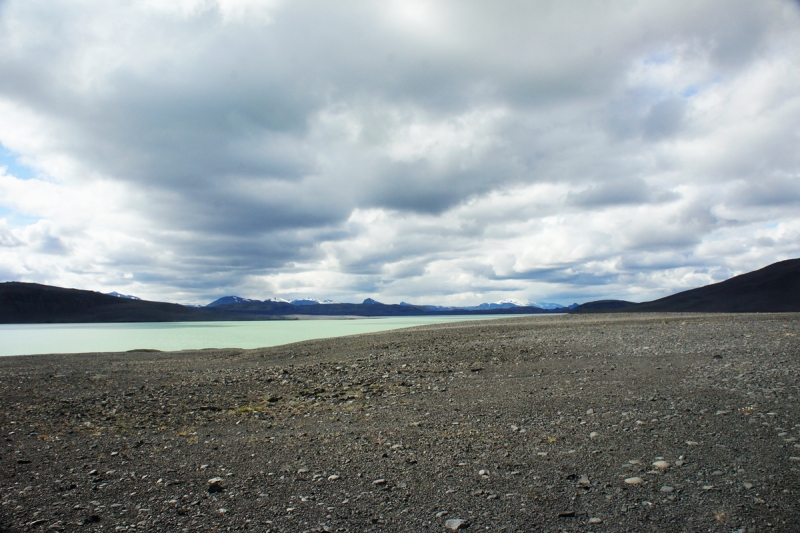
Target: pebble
[634,481]
[484,473]
[748,486]
[692,443]
[590,411]
[440,514]
[333,477]
[594,435]
[455,524]
[584,481]
[667,488]
[663,465]
[215,484]
[380,481]
[566,514]
[303,471]
[794,458]
[595,520]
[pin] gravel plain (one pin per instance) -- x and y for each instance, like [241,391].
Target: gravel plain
[563,423]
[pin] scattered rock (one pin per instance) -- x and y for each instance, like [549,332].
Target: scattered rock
[584,481]
[634,481]
[380,481]
[667,488]
[566,514]
[454,524]
[333,477]
[595,520]
[215,485]
[662,465]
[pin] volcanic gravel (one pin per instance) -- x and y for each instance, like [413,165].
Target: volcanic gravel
[566,423]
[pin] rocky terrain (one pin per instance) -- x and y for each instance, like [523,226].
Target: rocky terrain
[568,423]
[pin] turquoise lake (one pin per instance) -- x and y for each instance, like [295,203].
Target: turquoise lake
[29,339]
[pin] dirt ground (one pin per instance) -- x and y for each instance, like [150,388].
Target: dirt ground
[564,423]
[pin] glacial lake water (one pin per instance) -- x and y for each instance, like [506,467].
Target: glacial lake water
[30,339]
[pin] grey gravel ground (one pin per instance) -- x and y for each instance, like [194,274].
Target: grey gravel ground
[571,423]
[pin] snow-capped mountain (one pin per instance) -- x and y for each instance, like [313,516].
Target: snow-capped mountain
[310,301]
[229,300]
[545,305]
[126,296]
[278,300]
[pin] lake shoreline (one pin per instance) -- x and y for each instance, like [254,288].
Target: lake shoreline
[609,423]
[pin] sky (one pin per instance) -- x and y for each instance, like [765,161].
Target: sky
[441,152]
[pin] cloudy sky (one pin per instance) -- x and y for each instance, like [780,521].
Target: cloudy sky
[451,152]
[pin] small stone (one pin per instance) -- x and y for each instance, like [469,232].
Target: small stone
[667,488]
[590,411]
[717,473]
[692,443]
[595,521]
[594,435]
[303,471]
[455,524]
[721,412]
[634,481]
[708,487]
[215,485]
[483,472]
[680,462]
[441,514]
[93,472]
[333,477]
[663,465]
[584,481]
[748,486]
[380,481]
[514,428]
[794,458]
[566,514]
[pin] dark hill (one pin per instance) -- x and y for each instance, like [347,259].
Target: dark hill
[29,303]
[772,289]
[602,306]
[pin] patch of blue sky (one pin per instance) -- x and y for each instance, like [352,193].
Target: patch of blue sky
[10,161]
[658,59]
[16,220]
[772,225]
[689,91]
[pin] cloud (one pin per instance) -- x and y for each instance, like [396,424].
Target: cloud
[400,150]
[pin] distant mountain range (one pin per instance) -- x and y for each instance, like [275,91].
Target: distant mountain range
[369,307]
[775,288]
[772,289]
[27,303]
